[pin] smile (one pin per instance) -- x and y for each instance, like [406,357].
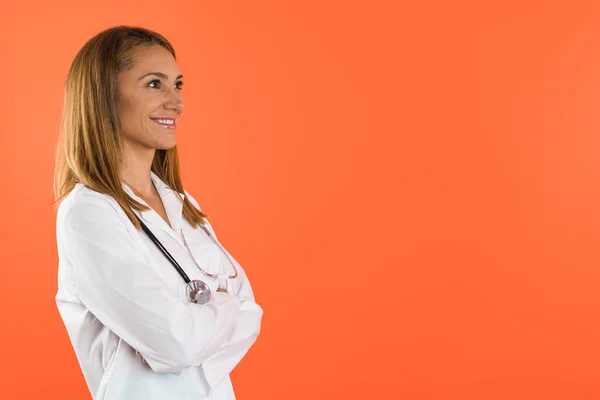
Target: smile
[168,123]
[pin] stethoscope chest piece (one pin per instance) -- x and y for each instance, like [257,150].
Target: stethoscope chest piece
[198,292]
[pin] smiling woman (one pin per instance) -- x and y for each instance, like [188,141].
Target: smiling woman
[127,232]
[150,102]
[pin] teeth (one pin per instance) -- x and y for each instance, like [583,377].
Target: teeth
[166,121]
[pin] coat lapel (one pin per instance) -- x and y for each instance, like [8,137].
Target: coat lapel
[173,203]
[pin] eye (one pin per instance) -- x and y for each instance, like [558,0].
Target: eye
[155,84]
[178,85]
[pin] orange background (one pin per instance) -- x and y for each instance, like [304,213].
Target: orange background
[411,186]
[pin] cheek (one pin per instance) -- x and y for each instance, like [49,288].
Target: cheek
[135,111]
[134,116]
[128,121]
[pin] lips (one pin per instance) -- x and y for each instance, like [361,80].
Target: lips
[165,122]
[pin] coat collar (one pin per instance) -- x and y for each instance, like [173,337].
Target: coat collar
[172,201]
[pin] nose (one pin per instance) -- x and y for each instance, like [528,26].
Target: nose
[174,101]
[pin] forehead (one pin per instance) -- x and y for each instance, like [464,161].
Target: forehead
[153,59]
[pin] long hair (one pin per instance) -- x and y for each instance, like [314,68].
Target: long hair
[90,144]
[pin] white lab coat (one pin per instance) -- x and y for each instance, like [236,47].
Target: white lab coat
[117,293]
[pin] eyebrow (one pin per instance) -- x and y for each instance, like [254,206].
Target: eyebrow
[160,75]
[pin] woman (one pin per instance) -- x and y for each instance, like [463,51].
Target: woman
[138,329]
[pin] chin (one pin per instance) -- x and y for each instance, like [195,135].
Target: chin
[165,146]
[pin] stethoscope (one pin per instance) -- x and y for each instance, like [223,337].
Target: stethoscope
[197,291]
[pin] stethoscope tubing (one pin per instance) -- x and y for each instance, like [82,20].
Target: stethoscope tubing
[165,252]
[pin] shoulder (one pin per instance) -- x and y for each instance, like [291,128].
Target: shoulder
[195,204]
[85,205]
[92,223]
[192,199]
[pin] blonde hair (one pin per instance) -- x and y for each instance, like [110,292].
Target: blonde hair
[90,143]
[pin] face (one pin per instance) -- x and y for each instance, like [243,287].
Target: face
[149,103]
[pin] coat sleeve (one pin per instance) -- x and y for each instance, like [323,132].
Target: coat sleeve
[245,332]
[131,299]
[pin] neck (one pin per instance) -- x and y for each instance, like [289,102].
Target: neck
[135,170]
